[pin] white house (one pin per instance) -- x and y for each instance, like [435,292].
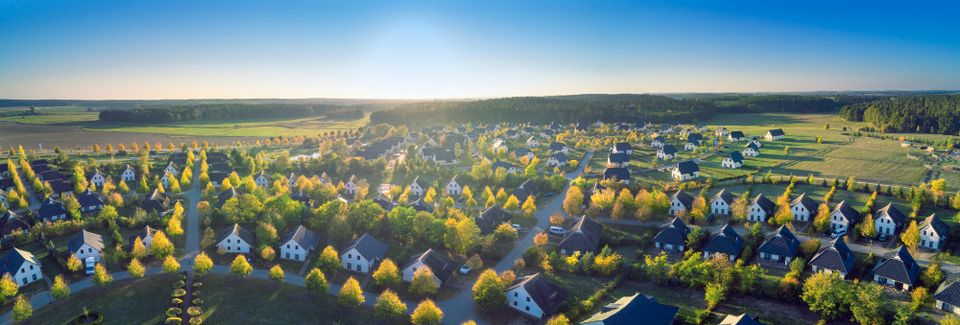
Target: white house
[86,245]
[235,240]
[948,296]
[933,233]
[171,169]
[22,266]
[557,160]
[760,208]
[680,202]
[690,146]
[145,235]
[657,142]
[98,178]
[453,188]
[622,147]
[535,296]
[415,190]
[721,132]
[888,220]
[667,152]
[735,160]
[298,244]
[843,216]
[262,180]
[129,174]
[686,170]
[773,135]
[441,267]
[532,142]
[736,136]
[721,202]
[362,254]
[803,208]
[751,150]
[350,188]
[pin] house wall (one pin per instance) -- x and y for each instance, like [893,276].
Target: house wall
[929,239]
[453,189]
[233,244]
[676,207]
[838,221]
[519,299]
[353,261]
[757,213]
[800,213]
[719,207]
[27,274]
[86,251]
[885,225]
[291,250]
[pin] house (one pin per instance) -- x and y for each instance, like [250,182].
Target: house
[721,202]
[415,190]
[421,205]
[735,160]
[441,267]
[948,296]
[526,189]
[685,171]
[774,135]
[633,309]
[888,220]
[680,203]
[22,266]
[781,248]
[235,240]
[736,136]
[742,319]
[667,152]
[363,253]
[672,236]
[453,188]
[262,180]
[695,138]
[557,160]
[350,188]
[171,169]
[556,147]
[532,142]
[933,233]
[617,174]
[754,141]
[97,178]
[298,244]
[507,167]
[129,174]
[657,142]
[618,160]
[86,245]
[760,208]
[226,195]
[90,201]
[751,150]
[843,216]
[10,223]
[523,152]
[721,132]
[498,143]
[156,202]
[622,147]
[691,144]
[726,241]
[51,210]
[803,207]
[835,258]
[491,218]
[899,270]
[583,237]
[535,296]
[145,234]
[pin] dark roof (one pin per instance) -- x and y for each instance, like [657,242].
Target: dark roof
[674,233]
[753,146]
[949,292]
[384,202]
[764,203]
[441,266]
[620,173]
[50,208]
[892,211]
[900,266]
[688,167]
[304,237]
[526,189]
[806,202]
[60,186]
[584,236]
[723,195]
[618,158]
[489,219]
[556,146]
[669,149]
[146,230]
[736,156]
[421,205]
[694,137]
[10,222]
[561,157]
[226,195]
[725,241]
[683,197]
[242,233]
[736,134]
[742,319]
[7,183]
[156,202]
[369,247]
[783,243]
[548,296]
[776,132]
[622,146]
[12,262]
[501,164]
[837,256]
[850,213]
[938,225]
[633,309]
[85,237]
[89,199]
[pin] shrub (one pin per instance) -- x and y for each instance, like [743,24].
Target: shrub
[194,311]
[174,311]
[197,302]
[179,284]
[176,302]
[173,321]
[179,293]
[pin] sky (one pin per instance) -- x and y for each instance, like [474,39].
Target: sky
[176,49]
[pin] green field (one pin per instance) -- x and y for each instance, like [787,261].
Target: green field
[246,127]
[48,115]
[126,302]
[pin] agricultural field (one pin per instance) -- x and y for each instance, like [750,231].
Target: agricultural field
[239,128]
[48,115]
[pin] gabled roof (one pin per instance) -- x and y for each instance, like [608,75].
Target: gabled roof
[783,243]
[50,208]
[949,292]
[501,164]
[669,149]
[683,197]
[633,309]
[764,203]
[155,201]
[674,233]
[584,236]
[742,319]
[694,137]
[723,195]
[384,202]
[245,235]
[850,213]
[725,241]
[304,237]
[618,158]
[226,195]
[89,198]
[938,225]
[736,156]
[622,146]
[368,247]
[900,266]
[620,173]
[561,157]
[556,146]
[548,296]
[688,167]
[752,146]
[416,181]
[85,237]
[421,205]
[10,222]
[837,256]
[11,262]
[489,219]
[776,132]
[736,134]
[143,233]
[441,266]
[806,202]
[892,212]
[526,189]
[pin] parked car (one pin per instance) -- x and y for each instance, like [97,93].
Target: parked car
[837,233]
[517,226]
[91,265]
[557,230]
[465,269]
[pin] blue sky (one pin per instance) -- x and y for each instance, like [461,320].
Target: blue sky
[454,49]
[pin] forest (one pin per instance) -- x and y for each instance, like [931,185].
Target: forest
[226,111]
[921,114]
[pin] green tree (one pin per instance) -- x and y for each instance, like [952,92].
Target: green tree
[826,294]
[276,273]
[74,264]
[387,275]
[21,309]
[573,203]
[867,228]
[202,263]
[329,259]
[8,288]
[240,266]
[423,283]
[426,313]
[316,281]
[138,250]
[911,236]
[161,246]
[869,306]
[714,294]
[135,268]
[389,307]
[558,320]
[100,275]
[170,265]
[60,290]
[489,291]
[933,275]
[350,293]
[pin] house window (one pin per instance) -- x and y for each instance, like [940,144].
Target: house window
[349,255]
[528,299]
[527,308]
[514,303]
[516,294]
[288,246]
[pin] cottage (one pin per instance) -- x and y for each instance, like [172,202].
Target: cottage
[691,144]
[760,208]
[507,167]
[226,195]
[672,237]
[633,309]
[736,136]
[535,296]
[836,258]
[491,218]
[948,296]
[583,237]
[51,210]
[803,207]
[421,205]
[298,244]
[721,132]
[129,174]
[843,216]
[557,160]
[11,223]
[721,202]
[774,135]
[415,190]
[742,319]
[558,147]
[453,188]
[235,240]
[899,270]
[888,220]
[350,188]
[86,245]
[145,234]
[441,267]
[156,202]
[657,142]
[524,153]
[171,169]
[363,253]
[685,171]
[751,150]
[533,142]
[22,266]
[262,180]
[754,141]
[933,233]
[734,161]
[97,178]
[781,248]
[526,189]
[90,201]
[667,152]
[622,147]
[726,241]
[680,203]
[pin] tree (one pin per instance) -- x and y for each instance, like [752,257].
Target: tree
[350,293]
[22,309]
[266,234]
[911,236]
[512,204]
[714,294]
[329,259]
[276,273]
[423,283]
[541,239]
[267,253]
[8,288]
[60,290]
[316,281]
[950,319]
[558,320]
[822,220]
[100,275]
[489,291]
[867,228]
[933,275]
[870,306]
[387,275]
[389,307]
[851,184]
[573,203]
[170,265]
[461,235]
[135,268]
[202,263]
[161,246]
[919,297]
[138,250]
[699,209]
[240,266]
[827,294]
[426,313]
[73,263]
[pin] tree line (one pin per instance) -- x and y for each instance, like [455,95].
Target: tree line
[921,114]
[209,112]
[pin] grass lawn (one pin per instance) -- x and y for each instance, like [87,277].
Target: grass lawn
[48,115]
[232,300]
[125,302]
[241,127]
